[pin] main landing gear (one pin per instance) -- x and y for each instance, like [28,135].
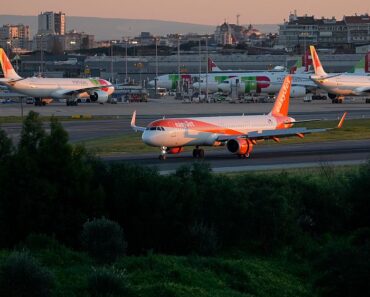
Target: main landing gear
[198,153]
[243,156]
[163,155]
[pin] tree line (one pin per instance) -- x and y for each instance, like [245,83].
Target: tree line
[49,186]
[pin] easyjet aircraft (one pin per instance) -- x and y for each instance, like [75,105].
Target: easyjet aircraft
[339,85]
[57,88]
[238,133]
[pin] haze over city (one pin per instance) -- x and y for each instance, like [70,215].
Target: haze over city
[208,12]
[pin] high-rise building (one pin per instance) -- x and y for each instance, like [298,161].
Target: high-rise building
[52,23]
[60,23]
[16,36]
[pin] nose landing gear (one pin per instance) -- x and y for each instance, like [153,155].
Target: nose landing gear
[163,155]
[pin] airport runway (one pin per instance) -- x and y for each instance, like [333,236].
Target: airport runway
[91,129]
[269,157]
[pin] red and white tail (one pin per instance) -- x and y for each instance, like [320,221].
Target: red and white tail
[7,67]
[212,67]
[319,70]
[281,106]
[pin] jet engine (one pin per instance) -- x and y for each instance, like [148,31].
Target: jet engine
[240,146]
[175,150]
[297,92]
[99,96]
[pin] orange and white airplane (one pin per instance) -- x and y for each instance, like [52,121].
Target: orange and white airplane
[238,133]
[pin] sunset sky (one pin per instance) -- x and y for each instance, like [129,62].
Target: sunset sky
[208,12]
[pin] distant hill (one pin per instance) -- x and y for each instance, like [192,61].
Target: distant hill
[106,28]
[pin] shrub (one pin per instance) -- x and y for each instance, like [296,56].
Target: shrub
[203,239]
[103,240]
[106,282]
[22,276]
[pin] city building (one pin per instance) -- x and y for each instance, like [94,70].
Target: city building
[232,34]
[15,36]
[300,31]
[51,23]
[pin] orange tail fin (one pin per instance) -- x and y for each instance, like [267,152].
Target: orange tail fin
[281,106]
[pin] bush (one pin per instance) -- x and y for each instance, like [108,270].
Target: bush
[106,282]
[203,239]
[22,276]
[103,240]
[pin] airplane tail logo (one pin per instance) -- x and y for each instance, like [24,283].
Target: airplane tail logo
[212,66]
[7,67]
[319,70]
[281,106]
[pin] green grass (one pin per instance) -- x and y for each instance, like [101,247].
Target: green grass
[159,275]
[132,143]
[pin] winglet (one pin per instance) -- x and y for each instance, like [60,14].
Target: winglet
[133,123]
[133,119]
[342,120]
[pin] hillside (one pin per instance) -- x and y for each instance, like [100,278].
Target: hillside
[106,28]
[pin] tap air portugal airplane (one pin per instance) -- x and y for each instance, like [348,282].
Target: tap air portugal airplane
[238,133]
[339,85]
[57,88]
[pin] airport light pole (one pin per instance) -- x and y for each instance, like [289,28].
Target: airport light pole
[156,68]
[178,64]
[207,68]
[200,66]
[42,54]
[111,61]
[126,57]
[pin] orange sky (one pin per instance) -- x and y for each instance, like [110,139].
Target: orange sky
[209,12]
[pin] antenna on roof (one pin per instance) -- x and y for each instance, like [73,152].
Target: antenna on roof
[237,19]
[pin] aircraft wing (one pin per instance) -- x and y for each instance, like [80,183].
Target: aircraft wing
[363,90]
[280,133]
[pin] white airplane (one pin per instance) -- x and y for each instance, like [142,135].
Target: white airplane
[256,81]
[238,133]
[56,88]
[339,85]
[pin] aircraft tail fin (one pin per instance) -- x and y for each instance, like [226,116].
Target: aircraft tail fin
[7,67]
[212,67]
[319,70]
[281,106]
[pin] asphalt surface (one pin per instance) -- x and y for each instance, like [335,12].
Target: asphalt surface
[84,130]
[268,157]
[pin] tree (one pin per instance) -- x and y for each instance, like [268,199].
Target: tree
[103,240]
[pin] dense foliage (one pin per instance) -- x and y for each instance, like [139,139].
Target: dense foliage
[48,186]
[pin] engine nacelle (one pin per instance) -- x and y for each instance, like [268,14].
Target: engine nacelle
[99,96]
[240,146]
[175,150]
[297,92]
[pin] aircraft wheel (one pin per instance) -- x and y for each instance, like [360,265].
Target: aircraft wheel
[201,153]
[162,157]
[195,153]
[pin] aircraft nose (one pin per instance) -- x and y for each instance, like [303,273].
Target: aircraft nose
[196,85]
[146,137]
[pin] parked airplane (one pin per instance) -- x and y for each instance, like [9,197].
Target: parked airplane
[57,88]
[238,133]
[339,85]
